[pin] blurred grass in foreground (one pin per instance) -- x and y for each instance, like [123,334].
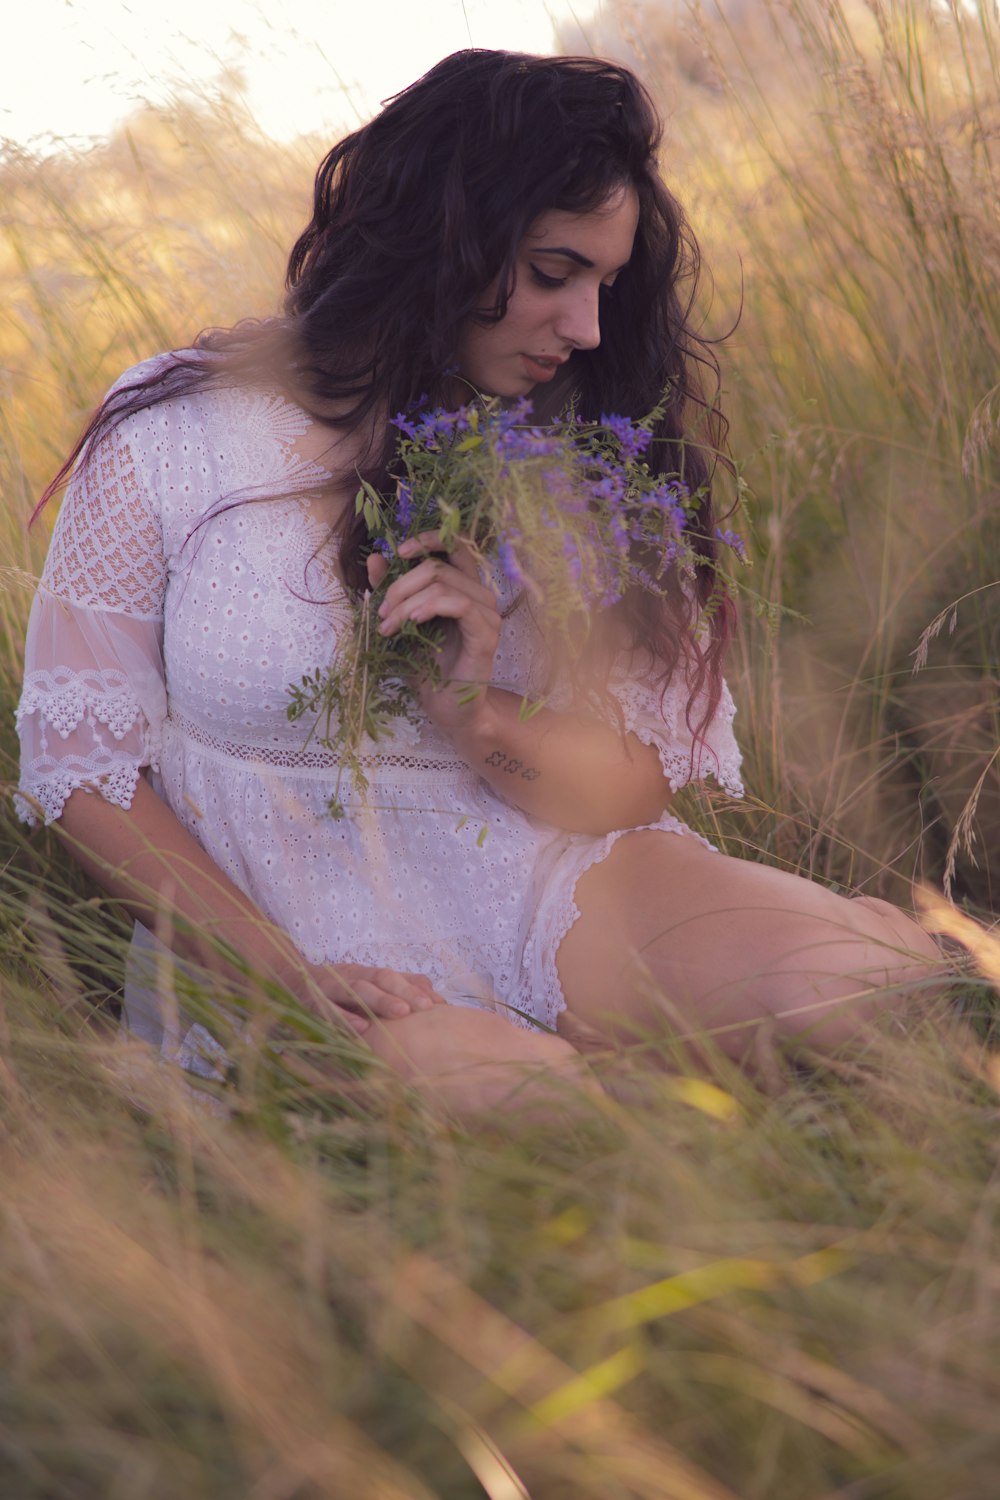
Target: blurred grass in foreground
[720,1289]
[709,1294]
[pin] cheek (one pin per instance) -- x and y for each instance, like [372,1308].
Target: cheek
[470,344]
[477,346]
[529,309]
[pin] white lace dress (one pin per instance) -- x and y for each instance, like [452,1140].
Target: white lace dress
[165,633]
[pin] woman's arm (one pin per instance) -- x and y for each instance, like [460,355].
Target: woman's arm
[147,860]
[573,771]
[89,720]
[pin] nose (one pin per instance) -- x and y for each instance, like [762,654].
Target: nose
[579,321]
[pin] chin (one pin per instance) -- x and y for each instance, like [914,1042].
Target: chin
[516,385]
[505,385]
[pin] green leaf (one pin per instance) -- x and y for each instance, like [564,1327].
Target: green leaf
[594,1384]
[527,710]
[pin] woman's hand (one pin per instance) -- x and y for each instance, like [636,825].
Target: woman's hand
[571,770]
[445,586]
[365,992]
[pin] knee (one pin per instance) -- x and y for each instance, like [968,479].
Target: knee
[900,932]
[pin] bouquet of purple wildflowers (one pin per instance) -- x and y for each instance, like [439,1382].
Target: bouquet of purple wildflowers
[566,510]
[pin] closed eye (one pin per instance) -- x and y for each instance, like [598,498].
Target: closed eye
[543,280]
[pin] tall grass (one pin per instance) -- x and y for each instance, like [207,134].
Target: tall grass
[840,162]
[774,1290]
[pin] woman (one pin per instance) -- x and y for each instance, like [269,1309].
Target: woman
[500,227]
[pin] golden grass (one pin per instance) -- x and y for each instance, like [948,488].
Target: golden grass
[716,1290]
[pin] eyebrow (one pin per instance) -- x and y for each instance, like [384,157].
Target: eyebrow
[575,255]
[581,260]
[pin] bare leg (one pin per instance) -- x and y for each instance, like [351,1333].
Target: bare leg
[671,932]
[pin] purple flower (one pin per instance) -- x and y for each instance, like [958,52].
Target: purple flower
[572,555]
[631,439]
[509,562]
[669,498]
[610,489]
[514,416]
[527,442]
[404,505]
[568,494]
[407,427]
[619,531]
[434,429]
[443,423]
[732,539]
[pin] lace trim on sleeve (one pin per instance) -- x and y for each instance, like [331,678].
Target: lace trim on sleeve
[47,783]
[659,718]
[63,701]
[99,695]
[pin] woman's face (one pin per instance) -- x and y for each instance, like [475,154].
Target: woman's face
[562,263]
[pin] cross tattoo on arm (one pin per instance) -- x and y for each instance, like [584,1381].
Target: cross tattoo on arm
[512,766]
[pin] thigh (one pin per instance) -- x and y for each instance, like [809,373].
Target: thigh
[670,930]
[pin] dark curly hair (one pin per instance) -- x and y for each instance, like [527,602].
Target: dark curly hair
[419,211]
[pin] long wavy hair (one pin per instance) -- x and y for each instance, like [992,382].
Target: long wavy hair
[418,212]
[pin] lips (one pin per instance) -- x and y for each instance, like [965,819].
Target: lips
[541,367]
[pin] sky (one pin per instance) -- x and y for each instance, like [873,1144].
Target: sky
[73,69]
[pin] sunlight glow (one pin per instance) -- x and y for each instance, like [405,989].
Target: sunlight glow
[73,69]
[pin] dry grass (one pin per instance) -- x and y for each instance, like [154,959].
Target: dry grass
[841,163]
[720,1290]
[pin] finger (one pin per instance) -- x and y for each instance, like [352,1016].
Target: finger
[469,560]
[383,992]
[480,626]
[377,567]
[435,569]
[370,1000]
[413,596]
[416,989]
[424,541]
[461,553]
[446,604]
[477,630]
[427,987]
[338,1015]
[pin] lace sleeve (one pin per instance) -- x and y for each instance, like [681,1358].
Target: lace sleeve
[94,696]
[660,717]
